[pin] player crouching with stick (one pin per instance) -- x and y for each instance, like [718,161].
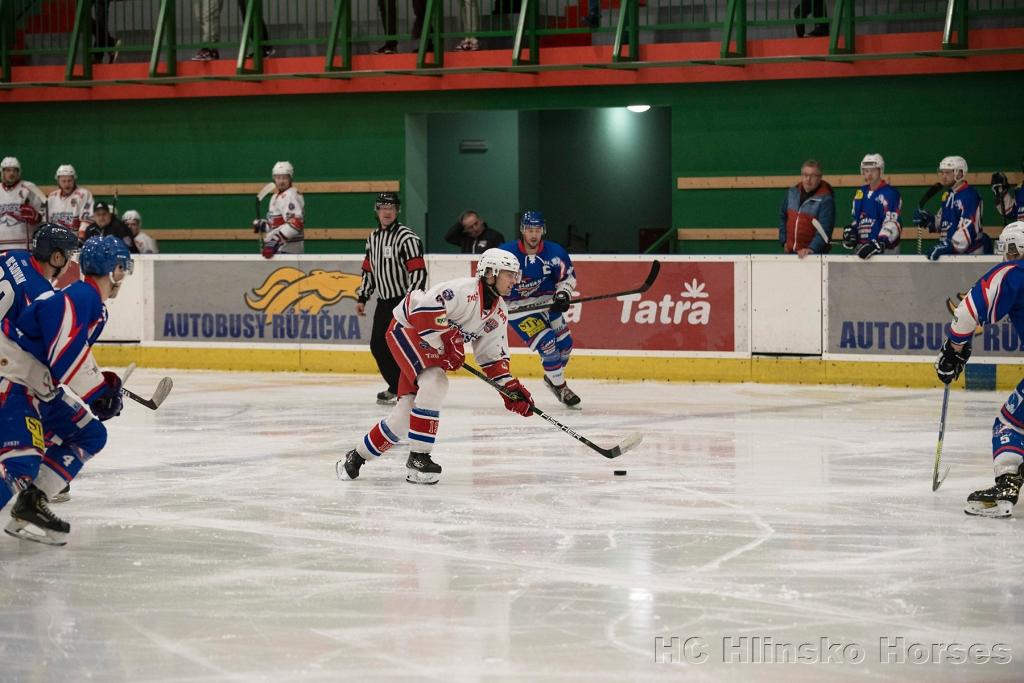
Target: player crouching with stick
[426,338]
[998,294]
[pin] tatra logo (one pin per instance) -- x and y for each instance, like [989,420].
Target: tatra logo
[291,288]
[670,311]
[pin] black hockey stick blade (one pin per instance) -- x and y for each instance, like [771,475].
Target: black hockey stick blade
[615,451]
[162,390]
[651,277]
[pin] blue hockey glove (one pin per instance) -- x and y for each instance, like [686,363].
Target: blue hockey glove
[924,219]
[940,249]
[951,362]
[869,249]
[561,302]
[850,236]
[108,402]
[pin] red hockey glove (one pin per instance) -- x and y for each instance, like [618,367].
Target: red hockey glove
[521,401]
[29,214]
[107,403]
[454,354]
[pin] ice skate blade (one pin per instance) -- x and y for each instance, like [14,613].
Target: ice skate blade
[20,529]
[61,497]
[416,477]
[999,509]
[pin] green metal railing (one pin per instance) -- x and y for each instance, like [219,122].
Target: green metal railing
[79,33]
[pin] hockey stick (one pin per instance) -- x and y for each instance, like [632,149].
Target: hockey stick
[651,277]
[264,191]
[162,389]
[936,481]
[613,452]
[929,193]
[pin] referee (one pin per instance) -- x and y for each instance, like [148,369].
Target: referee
[393,267]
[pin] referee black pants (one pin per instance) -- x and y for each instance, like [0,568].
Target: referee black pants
[382,317]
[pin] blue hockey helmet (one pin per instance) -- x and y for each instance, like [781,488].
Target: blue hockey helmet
[532,219]
[51,237]
[102,256]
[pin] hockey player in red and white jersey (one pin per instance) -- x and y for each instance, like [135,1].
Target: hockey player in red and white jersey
[283,230]
[21,204]
[70,205]
[426,338]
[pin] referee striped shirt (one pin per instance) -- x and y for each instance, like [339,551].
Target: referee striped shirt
[394,263]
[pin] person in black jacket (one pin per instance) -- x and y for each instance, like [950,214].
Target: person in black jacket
[106,223]
[472,235]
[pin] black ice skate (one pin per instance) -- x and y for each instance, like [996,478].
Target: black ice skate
[564,394]
[420,469]
[387,398]
[63,496]
[999,500]
[31,509]
[349,467]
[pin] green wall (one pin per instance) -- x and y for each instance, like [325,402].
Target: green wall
[715,129]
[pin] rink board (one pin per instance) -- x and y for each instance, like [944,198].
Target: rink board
[706,318]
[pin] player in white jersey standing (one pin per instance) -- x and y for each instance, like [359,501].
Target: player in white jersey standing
[70,205]
[426,339]
[20,205]
[283,229]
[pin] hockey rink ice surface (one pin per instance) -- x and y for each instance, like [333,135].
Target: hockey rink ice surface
[212,541]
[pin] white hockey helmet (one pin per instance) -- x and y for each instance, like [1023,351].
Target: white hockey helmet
[873,161]
[494,260]
[956,164]
[1012,235]
[283,168]
[65,169]
[132,215]
[10,162]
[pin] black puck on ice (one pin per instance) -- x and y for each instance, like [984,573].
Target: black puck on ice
[620,473]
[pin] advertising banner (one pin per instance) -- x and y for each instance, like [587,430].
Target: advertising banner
[899,307]
[690,307]
[279,301]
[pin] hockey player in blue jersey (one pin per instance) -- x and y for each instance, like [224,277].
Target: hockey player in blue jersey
[58,330]
[875,228]
[548,275]
[998,294]
[959,221]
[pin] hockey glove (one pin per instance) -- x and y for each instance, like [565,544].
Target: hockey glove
[108,402]
[454,353]
[28,214]
[869,249]
[850,236]
[520,402]
[940,249]
[924,219]
[272,243]
[999,183]
[951,362]
[561,302]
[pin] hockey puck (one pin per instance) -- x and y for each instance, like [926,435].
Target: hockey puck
[620,473]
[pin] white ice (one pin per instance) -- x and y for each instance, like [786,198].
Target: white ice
[211,541]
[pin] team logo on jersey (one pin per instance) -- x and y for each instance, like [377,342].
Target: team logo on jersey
[291,206]
[490,325]
[448,294]
[293,289]
[859,195]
